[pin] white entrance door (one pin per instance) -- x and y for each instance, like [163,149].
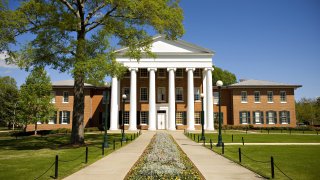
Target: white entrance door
[161,120]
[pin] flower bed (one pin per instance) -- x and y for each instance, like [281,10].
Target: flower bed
[163,159]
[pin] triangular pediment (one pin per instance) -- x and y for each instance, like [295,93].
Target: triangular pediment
[160,45]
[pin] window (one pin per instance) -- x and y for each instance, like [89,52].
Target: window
[197,73]
[244,98]
[196,94]
[126,117]
[65,117]
[179,94]
[53,97]
[215,97]
[65,97]
[161,94]
[143,94]
[180,117]
[216,116]
[144,115]
[143,73]
[270,96]
[179,73]
[161,73]
[53,119]
[283,97]
[258,117]
[257,96]
[244,117]
[284,117]
[126,91]
[197,117]
[127,74]
[271,117]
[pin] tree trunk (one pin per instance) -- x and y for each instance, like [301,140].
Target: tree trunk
[35,128]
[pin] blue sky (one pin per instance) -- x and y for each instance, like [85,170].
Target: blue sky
[276,40]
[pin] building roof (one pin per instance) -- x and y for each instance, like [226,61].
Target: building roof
[261,83]
[67,83]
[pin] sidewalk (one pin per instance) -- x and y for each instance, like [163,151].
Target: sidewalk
[210,164]
[117,164]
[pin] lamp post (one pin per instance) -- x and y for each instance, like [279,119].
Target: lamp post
[105,139]
[219,84]
[202,119]
[124,97]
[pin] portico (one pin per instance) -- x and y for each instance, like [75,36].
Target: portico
[164,93]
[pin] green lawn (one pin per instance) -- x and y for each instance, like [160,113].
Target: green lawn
[29,157]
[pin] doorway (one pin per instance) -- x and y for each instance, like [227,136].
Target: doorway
[161,120]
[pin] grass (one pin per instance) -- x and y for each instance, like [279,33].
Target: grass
[29,157]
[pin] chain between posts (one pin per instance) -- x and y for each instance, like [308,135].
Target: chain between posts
[45,171]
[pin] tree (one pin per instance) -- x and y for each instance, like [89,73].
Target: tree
[80,36]
[9,95]
[35,99]
[225,76]
[308,110]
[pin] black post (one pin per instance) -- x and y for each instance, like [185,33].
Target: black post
[222,147]
[272,167]
[240,155]
[131,137]
[56,167]
[232,137]
[210,144]
[87,150]
[123,103]
[102,150]
[219,136]
[105,137]
[242,141]
[202,120]
[198,138]
[114,144]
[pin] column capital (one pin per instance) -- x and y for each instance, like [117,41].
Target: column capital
[133,69]
[209,69]
[169,69]
[152,69]
[190,69]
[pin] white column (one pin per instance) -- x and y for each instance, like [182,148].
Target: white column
[172,100]
[114,119]
[133,99]
[204,91]
[210,125]
[152,98]
[190,108]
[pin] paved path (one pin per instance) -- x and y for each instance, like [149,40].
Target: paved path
[117,164]
[210,164]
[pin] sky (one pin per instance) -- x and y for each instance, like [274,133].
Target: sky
[274,40]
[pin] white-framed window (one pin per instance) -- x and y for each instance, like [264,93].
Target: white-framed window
[179,73]
[179,117]
[197,117]
[126,91]
[179,93]
[53,97]
[271,117]
[143,94]
[143,73]
[144,115]
[244,117]
[64,117]
[53,119]
[197,94]
[244,97]
[258,117]
[284,117]
[257,96]
[197,73]
[65,98]
[161,73]
[161,94]
[127,74]
[270,96]
[215,97]
[126,117]
[283,96]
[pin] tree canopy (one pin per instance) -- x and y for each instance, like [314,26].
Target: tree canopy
[80,36]
[308,111]
[225,76]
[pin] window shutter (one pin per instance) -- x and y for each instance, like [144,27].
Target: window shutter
[184,116]
[253,117]
[55,117]
[240,115]
[288,116]
[138,118]
[261,117]
[248,115]
[280,120]
[275,117]
[267,117]
[68,117]
[60,117]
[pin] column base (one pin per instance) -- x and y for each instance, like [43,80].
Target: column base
[113,129]
[152,129]
[190,129]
